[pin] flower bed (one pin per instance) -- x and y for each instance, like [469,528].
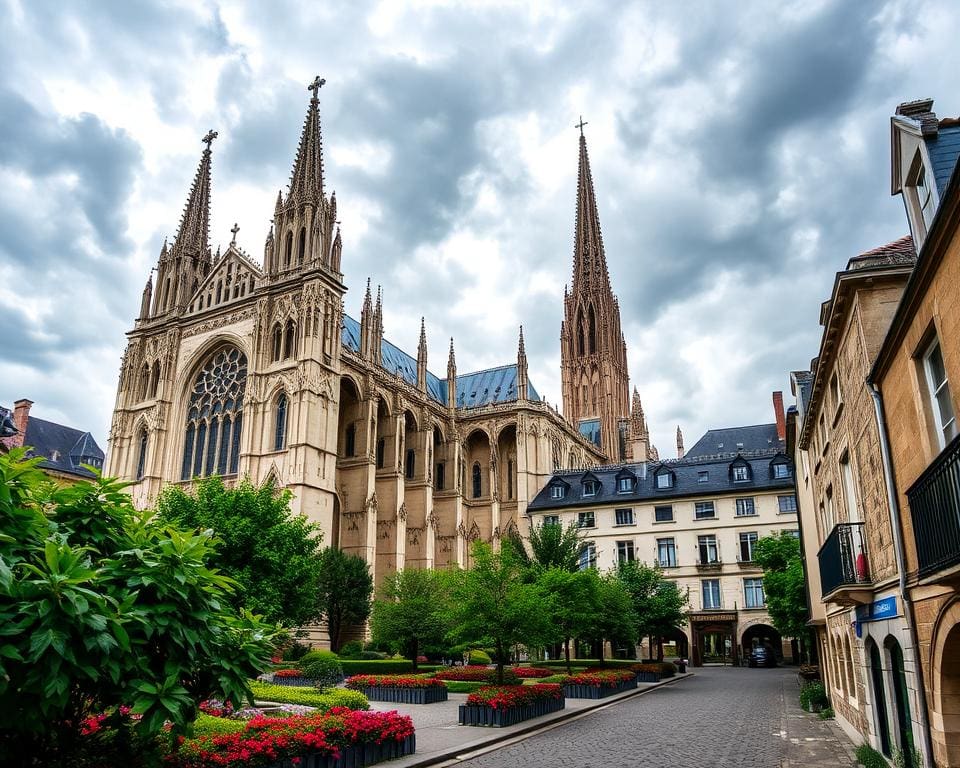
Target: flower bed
[647,673]
[339,738]
[526,673]
[476,674]
[311,697]
[402,689]
[292,677]
[598,683]
[500,706]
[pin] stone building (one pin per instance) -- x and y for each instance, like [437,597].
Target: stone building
[247,368]
[698,517]
[66,452]
[915,375]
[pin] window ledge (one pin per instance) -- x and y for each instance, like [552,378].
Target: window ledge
[624,525]
[748,514]
[787,512]
[663,522]
[705,519]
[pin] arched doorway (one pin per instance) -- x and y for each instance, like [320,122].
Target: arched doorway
[762,635]
[948,688]
[879,696]
[676,644]
[901,701]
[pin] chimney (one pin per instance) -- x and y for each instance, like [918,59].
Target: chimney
[21,415]
[780,416]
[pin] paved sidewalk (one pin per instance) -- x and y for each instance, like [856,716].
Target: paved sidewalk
[812,742]
[440,737]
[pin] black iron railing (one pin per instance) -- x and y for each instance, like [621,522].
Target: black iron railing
[843,558]
[935,510]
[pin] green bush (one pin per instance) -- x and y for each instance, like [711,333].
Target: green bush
[813,697]
[372,655]
[295,651]
[208,725]
[311,697]
[477,656]
[826,713]
[375,666]
[868,757]
[323,667]
[351,650]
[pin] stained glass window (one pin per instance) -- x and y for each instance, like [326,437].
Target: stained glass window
[215,415]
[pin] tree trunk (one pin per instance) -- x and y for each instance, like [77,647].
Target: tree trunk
[601,651]
[566,654]
[416,652]
[659,648]
[333,631]
[499,662]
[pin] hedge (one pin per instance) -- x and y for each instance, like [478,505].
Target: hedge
[208,725]
[375,666]
[311,697]
[461,686]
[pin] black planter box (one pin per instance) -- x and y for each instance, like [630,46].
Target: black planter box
[597,691]
[481,714]
[399,695]
[298,682]
[648,677]
[357,756]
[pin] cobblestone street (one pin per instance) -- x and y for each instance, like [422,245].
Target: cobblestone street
[721,717]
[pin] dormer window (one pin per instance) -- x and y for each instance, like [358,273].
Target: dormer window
[664,479]
[925,199]
[624,485]
[557,492]
[590,487]
[781,471]
[741,473]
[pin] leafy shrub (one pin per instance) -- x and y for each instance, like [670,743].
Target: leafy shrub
[376,666]
[477,656]
[295,651]
[208,725]
[372,655]
[667,668]
[900,756]
[476,675]
[826,713]
[351,650]
[868,757]
[311,697]
[323,667]
[813,697]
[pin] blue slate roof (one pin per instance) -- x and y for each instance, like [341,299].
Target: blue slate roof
[494,385]
[944,149]
[688,481]
[733,440]
[64,448]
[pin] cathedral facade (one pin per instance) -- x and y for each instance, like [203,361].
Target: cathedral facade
[251,369]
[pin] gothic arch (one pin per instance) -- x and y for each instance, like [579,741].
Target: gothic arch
[580,333]
[944,656]
[592,330]
[288,249]
[301,245]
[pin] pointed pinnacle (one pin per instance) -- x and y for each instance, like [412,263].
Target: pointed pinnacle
[522,350]
[423,331]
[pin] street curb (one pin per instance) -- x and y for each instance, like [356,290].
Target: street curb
[477,747]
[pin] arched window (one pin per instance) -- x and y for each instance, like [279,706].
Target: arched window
[142,454]
[302,245]
[143,386]
[509,478]
[215,415]
[580,333]
[411,463]
[277,342]
[477,480]
[593,331]
[381,448]
[290,340]
[219,291]
[280,425]
[155,379]
[438,476]
[288,250]
[350,441]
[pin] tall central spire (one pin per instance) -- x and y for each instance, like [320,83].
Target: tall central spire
[306,181]
[193,236]
[589,259]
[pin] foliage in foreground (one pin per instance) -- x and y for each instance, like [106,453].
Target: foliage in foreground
[104,609]
[868,757]
[783,584]
[271,553]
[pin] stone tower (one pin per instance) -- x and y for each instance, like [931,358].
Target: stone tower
[596,389]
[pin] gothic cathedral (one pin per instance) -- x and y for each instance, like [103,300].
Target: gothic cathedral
[247,369]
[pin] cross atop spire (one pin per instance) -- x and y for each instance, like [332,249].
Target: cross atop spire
[208,139]
[589,257]
[306,180]
[233,230]
[581,124]
[315,86]
[194,232]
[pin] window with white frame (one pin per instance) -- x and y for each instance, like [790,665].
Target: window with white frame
[746,507]
[590,487]
[925,198]
[663,513]
[588,556]
[707,547]
[781,470]
[849,490]
[787,503]
[586,520]
[703,476]
[710,589]
[753,593]
[625,553]
[748,541]
[938,389]
[835,395]
[794,532]
[664,480]
[667,553]
[551,519]
[741,473]
[557,492]
[624,485]
[704,510]
[623,516]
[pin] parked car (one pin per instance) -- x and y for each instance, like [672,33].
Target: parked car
[761,657]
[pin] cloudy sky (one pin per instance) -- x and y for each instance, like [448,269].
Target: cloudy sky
[740,155]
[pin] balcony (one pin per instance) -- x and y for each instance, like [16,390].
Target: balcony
[844,567]
[935,511]
[707,565]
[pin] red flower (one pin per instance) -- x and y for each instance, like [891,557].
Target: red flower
[531,672]
[359,682]
[506,696]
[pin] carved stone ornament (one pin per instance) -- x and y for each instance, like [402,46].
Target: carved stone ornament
[219,322]
[462,530]
[384,527]
[433,521]
[352,519]
[402,512]
[495,536]
[413,535]
[474,534]
[445,543]
[371,505]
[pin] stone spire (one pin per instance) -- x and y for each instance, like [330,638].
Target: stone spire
[639,441]
[451,378]
[268,251]
[193,236]
[593,353]
[679,443]
[377,329]
[146,298]
[336,252]
[366,325]
[306,180]
[422,358]
[522,380]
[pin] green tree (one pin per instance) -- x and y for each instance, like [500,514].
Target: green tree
[103,606]
[269,552]
[572,604]
[783,583]
[659,604]
[492,604]
[553,546]
[343,592]
[410,612]
[616,619]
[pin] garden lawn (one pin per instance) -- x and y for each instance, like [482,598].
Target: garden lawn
[323,700]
